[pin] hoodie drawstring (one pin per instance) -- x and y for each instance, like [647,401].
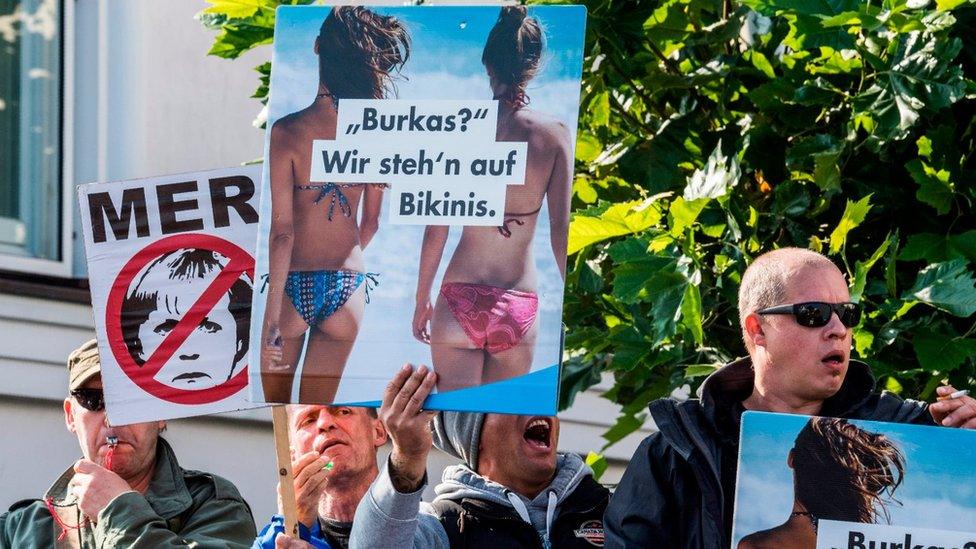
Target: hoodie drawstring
[523,512]
[550,514]
[519,506]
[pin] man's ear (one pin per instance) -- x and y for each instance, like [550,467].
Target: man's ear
[69,415]
[379,433]
[789,460]
[754,330]
[316,48]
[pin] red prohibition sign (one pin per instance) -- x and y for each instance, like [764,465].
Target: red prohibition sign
[240,262]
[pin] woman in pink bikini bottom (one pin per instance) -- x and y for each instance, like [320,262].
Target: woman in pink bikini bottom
[482,327]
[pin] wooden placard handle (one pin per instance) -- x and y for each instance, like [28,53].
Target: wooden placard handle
[286,478]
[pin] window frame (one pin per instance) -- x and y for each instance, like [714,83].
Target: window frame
[63,267]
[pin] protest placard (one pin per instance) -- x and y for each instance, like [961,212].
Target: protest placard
[171,269]
[420,159]
[826,483]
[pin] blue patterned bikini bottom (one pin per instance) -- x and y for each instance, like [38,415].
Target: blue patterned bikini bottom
[317,295]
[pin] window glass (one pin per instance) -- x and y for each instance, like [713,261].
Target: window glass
[30,129]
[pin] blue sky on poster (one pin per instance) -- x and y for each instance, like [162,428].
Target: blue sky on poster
[445,63]
[939,490]
[445,60]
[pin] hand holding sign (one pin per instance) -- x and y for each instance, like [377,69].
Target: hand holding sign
[408,425]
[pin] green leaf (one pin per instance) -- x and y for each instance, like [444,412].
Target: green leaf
[947,5]
[668,23]
[584,190]
[237,9]
[822,8]
[863,340]
[618,220]
[700,370]
[666,289]
[854,214]
[576,376]
[600,109]
[691,313]
[234,40]
[631,280]
[941,353]
[624,426]
[921,76]
[683,214]
[598,463]
[892,386]
[822,152]
[761,62]
[948,286]
[928,246]
[588,147]
[935,189]
[861,269]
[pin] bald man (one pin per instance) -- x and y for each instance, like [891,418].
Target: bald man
[796,320]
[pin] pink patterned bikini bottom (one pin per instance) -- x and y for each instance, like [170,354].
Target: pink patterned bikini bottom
[495,319]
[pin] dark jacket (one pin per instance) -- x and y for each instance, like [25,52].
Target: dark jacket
[471,511]
[474,523]
[671,495]
[181,508]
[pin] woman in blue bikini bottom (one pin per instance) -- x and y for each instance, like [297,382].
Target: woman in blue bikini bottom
[317,295]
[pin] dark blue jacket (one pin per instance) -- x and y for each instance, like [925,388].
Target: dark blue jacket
[671,494]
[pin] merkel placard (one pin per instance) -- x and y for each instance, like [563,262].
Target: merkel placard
[826,483]
[171,269]
[415,203]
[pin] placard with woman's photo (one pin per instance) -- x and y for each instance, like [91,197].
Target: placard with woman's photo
[415,204]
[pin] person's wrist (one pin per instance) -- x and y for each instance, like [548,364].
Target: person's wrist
[407,470]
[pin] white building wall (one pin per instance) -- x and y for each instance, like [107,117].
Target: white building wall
[148,101]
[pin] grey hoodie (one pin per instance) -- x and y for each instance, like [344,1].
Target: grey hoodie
[387,518]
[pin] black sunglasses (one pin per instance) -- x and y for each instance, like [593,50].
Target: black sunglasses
[90,399]
[816,314]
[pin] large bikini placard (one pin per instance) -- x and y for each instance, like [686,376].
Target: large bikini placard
[453,158]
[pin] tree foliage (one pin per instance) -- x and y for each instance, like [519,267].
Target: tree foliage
[714,131]
[711,131]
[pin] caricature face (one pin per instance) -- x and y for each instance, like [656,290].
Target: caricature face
[194,365]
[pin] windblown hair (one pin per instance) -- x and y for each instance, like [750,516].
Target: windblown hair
[358,52]
[181,265]
[513,52]
[846,473]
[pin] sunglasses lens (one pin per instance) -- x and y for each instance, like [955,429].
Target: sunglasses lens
[90,399]
[813,315]
[850,314]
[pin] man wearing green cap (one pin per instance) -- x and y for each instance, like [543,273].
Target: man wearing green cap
[128,490]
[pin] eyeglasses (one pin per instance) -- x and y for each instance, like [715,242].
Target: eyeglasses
[816,314]
[90,399]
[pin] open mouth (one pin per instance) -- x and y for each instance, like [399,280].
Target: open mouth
[834,359]
[191,377]
[538,433]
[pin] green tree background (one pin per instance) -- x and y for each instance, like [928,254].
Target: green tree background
[712,131]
